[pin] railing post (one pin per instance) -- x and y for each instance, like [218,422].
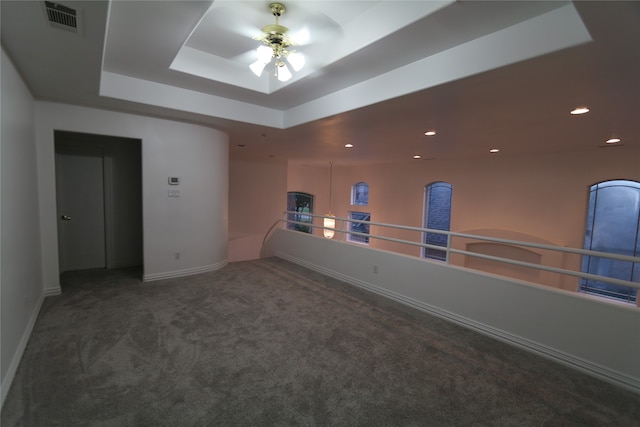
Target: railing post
[448,253]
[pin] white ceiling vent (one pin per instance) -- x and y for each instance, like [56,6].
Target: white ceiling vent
[61,16]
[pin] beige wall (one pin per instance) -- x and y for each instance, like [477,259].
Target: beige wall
[257,198]
[541,197]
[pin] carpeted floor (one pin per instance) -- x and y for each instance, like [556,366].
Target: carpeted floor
[270,343]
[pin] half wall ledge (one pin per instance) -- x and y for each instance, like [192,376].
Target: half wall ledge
[570,328]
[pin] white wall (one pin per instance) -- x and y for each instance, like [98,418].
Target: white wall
[20,272]
[193,225]
[571,328]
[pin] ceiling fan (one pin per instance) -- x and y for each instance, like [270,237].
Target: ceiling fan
[276,47]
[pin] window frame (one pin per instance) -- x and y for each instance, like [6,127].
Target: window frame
[361,240]
[294,205]
[590,264]
[354,194]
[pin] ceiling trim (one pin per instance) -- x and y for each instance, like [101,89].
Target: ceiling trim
[558,29]
[127,88]
[202,64]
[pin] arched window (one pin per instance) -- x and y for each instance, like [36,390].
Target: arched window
[360,194]
[613,226]
[302,204]
[437,216]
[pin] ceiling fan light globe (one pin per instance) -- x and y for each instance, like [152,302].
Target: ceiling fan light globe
[265,53]
[296,60]
[283,73]
[257,67]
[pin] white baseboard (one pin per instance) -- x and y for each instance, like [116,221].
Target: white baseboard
[51,292]
[590,368]
[186,272]
[17,356]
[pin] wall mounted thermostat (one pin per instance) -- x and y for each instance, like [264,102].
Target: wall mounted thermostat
[174,180]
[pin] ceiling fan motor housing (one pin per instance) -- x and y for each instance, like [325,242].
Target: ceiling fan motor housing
[277,9]
[275,32]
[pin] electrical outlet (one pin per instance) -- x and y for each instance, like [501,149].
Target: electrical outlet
[375,268]
[177,255]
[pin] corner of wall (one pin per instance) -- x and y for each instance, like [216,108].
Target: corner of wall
[17,355]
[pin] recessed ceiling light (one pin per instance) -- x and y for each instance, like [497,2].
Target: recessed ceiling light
[348,145]
[241,145]
[417,156]
[430,132]
[494,150]
[613,140]
[579,110]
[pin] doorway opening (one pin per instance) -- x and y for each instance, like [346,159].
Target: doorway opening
[99,201]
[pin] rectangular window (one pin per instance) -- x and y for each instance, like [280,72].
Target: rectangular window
[302,205]
[359,227]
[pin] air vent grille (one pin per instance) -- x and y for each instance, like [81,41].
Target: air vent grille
[61,16]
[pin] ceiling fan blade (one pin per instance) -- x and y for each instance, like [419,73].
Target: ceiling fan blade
[314,35]
[242,18]
[231,28]
[227,29]
[308,24]
[247,57]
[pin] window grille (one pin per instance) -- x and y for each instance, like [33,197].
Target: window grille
[302,205]
[360,194]
[437,208]
[359,227]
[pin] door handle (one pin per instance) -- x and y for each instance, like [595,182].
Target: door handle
[65,218]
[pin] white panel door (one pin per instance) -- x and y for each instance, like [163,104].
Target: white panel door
[80,198]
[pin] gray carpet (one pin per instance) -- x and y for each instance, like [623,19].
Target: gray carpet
[270,343]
